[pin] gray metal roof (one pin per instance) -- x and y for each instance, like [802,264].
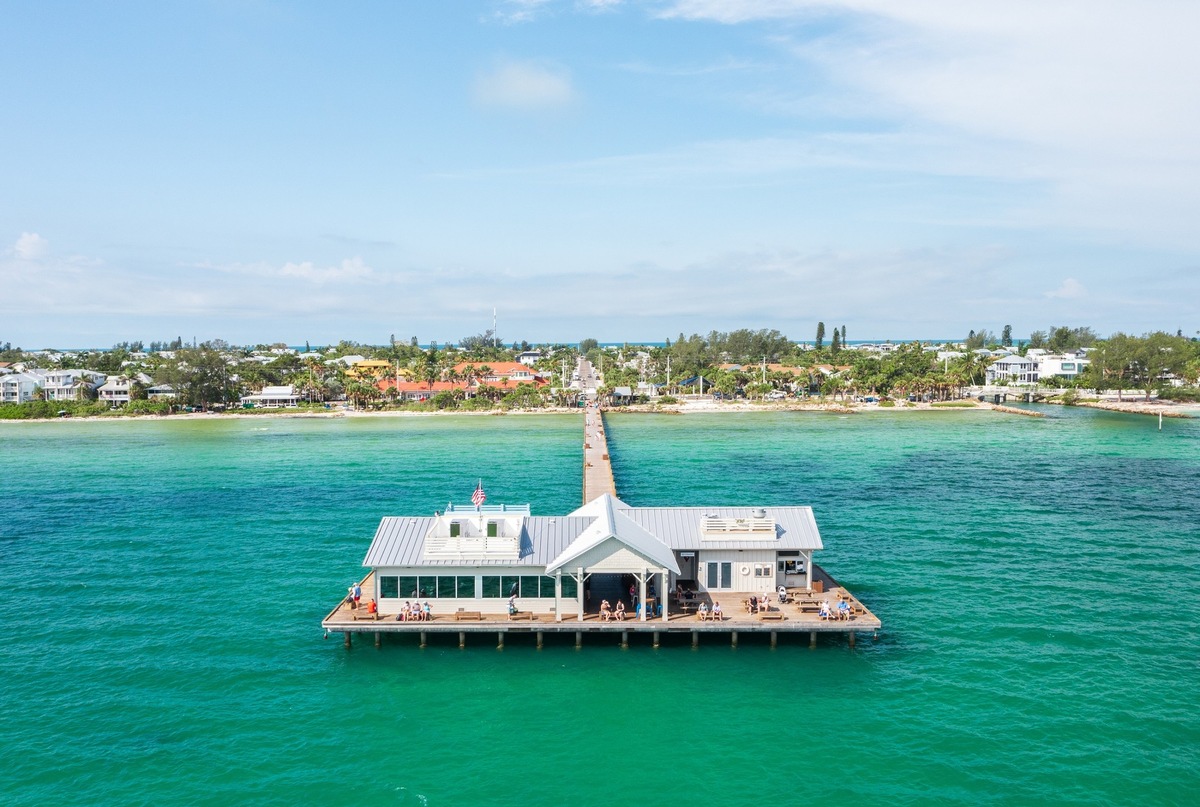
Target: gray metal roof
[400,540]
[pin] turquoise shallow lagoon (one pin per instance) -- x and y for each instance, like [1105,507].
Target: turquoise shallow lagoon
[1037,579]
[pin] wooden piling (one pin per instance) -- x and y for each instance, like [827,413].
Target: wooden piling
[733,638]
[774,638]
[423,639]
[695,638]
[624,638]
[378,639]
[657,633]
[578,639]
[462,639]
[540,639]
[500,640]
[812,640]
[851,635]
[346,639]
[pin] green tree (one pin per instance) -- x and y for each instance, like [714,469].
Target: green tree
[835,345]
[820,341]
[1006,336]
[588,345]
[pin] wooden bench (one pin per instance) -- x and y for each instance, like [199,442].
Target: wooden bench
[521,615]
[362,613]
[474,616]
[777,615]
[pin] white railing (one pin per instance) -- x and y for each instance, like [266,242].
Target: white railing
[722,529]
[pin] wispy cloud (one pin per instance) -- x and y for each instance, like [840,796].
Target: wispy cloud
[1070,289]
[30,246]
[524,85]
[512,12]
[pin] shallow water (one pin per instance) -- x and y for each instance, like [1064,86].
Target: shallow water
[164,583]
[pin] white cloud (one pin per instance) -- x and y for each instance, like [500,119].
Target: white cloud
[524,85]
[30,246]
[518,11]
[1070,289]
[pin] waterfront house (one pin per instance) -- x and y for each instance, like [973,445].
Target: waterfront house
[118,390]
[272,398]
[71,385]
[475,558]
[19,387]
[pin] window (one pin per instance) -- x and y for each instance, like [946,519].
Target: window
[510,584]
[446,586]
[491,586]
[491,528]
[466,588]
[530,587]
[546,586]
[408,587]
[727,575]
[570,588]
[389,588]
[711,580]
[455,529]
[763,570]
[719,575]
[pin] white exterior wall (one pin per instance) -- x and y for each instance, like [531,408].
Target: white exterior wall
[748,582]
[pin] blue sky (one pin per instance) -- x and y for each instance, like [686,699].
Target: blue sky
[262,171]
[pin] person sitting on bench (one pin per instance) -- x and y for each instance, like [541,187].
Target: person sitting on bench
[605,610]
[620,612]
[716,611]
[703,611]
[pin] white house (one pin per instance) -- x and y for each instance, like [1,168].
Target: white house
[19,387]
[64,385]
[474,559]
[1036,366]
[530,357]
[117,390]
[272,398]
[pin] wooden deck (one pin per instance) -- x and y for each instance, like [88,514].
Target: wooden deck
[799,616]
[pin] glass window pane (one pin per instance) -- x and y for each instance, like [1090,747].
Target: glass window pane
[510,585]
[529,586]
[727,575]
[466,588]
[428,586]
[491,585]
[546,587]
[408,587]
[570,589]
[389,587]
[711,582]
[491,528]
[455,529]
[445,587]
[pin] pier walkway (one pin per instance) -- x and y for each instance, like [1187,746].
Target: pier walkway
[597,467]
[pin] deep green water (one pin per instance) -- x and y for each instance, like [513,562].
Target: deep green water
[1038,582]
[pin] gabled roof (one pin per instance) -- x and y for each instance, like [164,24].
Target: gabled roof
[611,522]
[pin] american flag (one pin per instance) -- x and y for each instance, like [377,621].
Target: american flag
[478,497]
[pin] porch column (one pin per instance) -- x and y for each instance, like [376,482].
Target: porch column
[808,571]
[558,595]
[642,589]
[580,593]
[666,577]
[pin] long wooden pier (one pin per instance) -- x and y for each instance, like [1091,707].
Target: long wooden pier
[597,467]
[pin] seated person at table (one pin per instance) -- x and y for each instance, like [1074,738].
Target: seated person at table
[823,611]
[752,605]
[764,603]
[620,612]
[702,612]
[843,610]
[716,611]
[605,610]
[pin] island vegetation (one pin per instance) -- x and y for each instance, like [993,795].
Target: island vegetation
[754,365]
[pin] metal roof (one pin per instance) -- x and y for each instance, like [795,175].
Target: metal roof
[400,540]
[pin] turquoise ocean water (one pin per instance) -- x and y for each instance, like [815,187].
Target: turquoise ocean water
[163,584]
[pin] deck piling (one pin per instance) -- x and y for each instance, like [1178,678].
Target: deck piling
[733,639]
[347,636]
[578,639]
[462,639]
[540,639]
[423,639]
[379,639]
[500,640]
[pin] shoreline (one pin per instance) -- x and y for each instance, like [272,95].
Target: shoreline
[1171,410]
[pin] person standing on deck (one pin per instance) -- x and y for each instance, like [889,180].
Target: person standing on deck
[350,597]
[356,592]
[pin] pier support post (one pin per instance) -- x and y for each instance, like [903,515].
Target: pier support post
[423,638]
[812,640]
[462,639]
[500,640]
[695,638]
[852,638]
[624,638]
[540,637]
[733,638]
[378,638]
[774,638]
[657,634]
[578,639]
[346,639]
